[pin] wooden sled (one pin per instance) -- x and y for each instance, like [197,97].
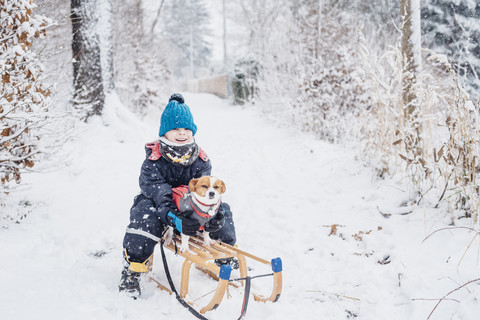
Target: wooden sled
[203,258]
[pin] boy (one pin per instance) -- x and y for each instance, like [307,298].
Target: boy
[171,161]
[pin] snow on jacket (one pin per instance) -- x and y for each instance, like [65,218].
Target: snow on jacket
[158,176]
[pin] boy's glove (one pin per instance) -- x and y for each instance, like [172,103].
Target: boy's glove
[185,225]
[216,223]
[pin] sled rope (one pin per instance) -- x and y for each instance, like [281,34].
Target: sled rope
[203,296]
[172,286]
[246,295]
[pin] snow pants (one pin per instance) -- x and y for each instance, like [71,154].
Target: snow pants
[145,229]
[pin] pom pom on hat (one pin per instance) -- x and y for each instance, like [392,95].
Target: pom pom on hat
[176,115]
[177,97]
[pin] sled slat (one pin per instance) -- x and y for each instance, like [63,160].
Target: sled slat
[246,254]
[213,250]
[201,252]
[161,286]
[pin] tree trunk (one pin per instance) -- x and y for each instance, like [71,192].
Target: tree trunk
[411,54]
[152,29]
[410,13]
[88,96]
[106,43]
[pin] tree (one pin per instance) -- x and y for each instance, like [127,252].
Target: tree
[23,100]
[326,69]
[256,63]
[411,56]
[88,95]
[375,13]
[187,23]
[105,32]
[261,21]
[142,55]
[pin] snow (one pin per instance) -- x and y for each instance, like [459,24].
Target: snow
[286,190]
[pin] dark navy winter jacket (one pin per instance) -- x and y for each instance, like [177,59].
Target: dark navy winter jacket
[158,177]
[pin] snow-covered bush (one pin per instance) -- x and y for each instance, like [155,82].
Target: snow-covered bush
[441,169]
[23,100]
[331,92]
[309,64]
[453,165]
[382,120]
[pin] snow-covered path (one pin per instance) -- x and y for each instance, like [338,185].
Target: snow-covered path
[286,190]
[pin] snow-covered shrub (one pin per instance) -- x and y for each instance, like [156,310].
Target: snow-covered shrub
[441,167]
[244,82]
[308,62]
[331,92]
[23,100]
[454,164]
[387,134]
[382,120]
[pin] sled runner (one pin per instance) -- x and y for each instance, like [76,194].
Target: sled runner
[203,258]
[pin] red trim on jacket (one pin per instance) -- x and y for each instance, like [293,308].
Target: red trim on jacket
[155,146]
[202,155]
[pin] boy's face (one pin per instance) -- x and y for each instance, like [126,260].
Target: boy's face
[180,136]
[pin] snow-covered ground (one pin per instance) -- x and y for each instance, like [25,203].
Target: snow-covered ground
[286,189]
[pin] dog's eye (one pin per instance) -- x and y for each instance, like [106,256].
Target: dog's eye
[216,187]
[204,186]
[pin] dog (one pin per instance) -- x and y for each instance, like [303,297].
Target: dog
[203,198]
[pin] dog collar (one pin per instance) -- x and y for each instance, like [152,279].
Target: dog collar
[200,208]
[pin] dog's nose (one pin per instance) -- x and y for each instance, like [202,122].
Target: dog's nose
[211,194]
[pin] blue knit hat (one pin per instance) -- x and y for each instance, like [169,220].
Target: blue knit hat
[176,115]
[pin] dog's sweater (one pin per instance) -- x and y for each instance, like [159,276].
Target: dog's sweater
[185,202]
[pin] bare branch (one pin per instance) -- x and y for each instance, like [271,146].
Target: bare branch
[456,289]
[450,228]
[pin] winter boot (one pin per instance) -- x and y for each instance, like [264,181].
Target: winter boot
[130,283]
[232,262]
[131,273]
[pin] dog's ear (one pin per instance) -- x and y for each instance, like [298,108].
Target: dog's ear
[192,185]
[223,187]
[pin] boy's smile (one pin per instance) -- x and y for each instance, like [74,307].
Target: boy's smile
[179,135]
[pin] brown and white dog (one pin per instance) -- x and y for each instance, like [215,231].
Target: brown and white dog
[203,198]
